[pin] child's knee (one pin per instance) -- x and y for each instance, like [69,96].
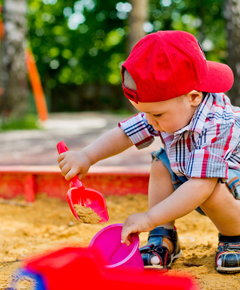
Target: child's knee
[219,196]
[159,169]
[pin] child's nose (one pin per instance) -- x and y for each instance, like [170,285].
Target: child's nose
[150,119]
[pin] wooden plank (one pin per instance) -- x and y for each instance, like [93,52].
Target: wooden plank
[29,181]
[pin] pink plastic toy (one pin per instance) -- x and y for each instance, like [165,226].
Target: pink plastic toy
[117,255]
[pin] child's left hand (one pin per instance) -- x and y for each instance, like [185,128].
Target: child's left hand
[135,223]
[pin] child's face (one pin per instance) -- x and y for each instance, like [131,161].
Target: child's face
[166,116]
[171,115]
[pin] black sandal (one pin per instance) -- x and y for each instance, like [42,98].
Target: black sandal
[154,247]
[229,252]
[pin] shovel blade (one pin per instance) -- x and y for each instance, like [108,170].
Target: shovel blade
[88,198]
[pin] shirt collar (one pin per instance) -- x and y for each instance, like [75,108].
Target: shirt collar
[199,117]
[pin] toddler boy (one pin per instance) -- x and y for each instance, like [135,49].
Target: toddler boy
[180,96]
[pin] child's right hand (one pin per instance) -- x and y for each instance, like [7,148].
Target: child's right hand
[74,163]
[135,224]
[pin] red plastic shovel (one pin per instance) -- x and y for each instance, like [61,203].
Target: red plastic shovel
[87,197]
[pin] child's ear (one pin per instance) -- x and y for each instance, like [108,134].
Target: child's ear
[195,98]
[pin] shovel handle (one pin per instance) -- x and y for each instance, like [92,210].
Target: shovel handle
[75,182]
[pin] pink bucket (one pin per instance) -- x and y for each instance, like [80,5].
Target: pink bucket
[116,254]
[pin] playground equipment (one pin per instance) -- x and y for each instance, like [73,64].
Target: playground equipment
[2,31]
[35,81]
[87,197]
[28,181]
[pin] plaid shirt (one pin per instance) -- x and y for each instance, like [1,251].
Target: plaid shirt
[206,147]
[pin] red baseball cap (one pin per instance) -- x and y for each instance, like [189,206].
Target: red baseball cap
[168,64]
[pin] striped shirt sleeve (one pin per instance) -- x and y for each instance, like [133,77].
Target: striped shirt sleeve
[138,130]
[214,148]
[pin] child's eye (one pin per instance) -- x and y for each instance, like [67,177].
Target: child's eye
[157,115]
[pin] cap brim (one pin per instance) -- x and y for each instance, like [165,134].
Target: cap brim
[219,78]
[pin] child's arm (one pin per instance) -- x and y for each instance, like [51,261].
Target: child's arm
[182,201]
[111,143]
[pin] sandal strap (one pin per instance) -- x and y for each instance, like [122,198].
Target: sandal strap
[228,239]
[162,232]
[229,251]
[155,246]
[150,250]
[147,248]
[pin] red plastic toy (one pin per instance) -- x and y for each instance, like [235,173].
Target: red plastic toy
[81,268]
[87,197]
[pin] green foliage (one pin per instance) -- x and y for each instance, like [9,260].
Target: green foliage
[202,18]
[83,43]
[29,122]
[77,42]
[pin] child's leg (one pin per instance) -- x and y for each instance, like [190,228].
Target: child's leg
[160,185]
[224,211]
[163,244]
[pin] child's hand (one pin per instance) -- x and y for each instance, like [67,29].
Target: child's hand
[74,163]
[135,223]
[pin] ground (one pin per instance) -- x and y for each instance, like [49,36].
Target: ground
[49,224]
[38,147]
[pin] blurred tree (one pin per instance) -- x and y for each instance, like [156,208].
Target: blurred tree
[137,17]
[80,45]
[15,98]
[232,15]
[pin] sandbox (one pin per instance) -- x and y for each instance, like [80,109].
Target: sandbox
[47,223]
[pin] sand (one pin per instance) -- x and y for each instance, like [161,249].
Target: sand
[49,224]
[86,214]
